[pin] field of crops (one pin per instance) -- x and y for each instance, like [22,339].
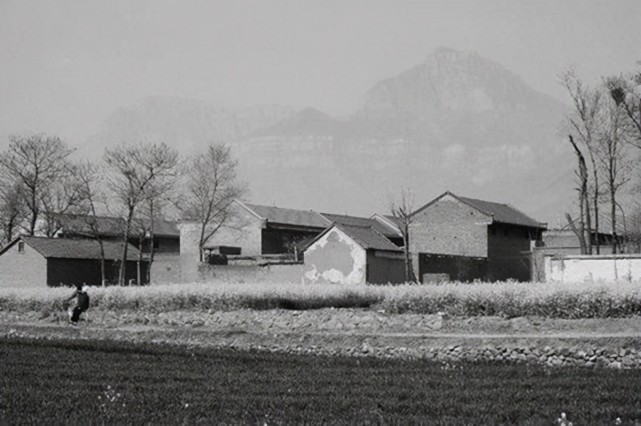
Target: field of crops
[508,299]
[75,382]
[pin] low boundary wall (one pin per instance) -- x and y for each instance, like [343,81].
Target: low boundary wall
[578,268]
[173,269]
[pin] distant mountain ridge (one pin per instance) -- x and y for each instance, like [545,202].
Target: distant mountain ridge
[456,121]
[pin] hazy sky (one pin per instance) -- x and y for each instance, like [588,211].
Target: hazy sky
[67,65]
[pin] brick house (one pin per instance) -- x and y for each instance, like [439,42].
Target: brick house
[351,254]
[37,261]
[259,230]
[469,239]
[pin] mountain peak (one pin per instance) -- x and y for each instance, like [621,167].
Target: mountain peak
[450,53]
[449,81]
[306,122]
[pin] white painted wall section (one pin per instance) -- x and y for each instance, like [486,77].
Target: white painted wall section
[335,258]
[593,268]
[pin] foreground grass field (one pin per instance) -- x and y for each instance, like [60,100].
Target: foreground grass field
[56,382]
[510,299]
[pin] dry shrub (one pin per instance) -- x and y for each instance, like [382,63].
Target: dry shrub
[508,299]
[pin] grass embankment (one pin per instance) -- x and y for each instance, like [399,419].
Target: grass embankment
[581,300]
[76,383]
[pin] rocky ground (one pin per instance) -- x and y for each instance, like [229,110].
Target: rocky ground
[614,343]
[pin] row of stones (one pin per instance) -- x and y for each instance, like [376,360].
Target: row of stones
[567,356]
[589,357]
[593,357]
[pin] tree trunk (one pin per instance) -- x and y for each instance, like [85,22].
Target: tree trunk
[588,220]
[578,232]
[201,243]
[141,239]
[615,238]
[123,265]
[406,253]
[584,205]
[103,278]
[596,218]
[151,241]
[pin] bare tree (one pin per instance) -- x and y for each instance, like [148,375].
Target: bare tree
[613,158]
[64,196]
[140,231]
[211,186]
[583,122]
[160,192]
[90,181]
[401,209]
[12,210]
[626,92]
[38,162]
[582,173]
[134,169]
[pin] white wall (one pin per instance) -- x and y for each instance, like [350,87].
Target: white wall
[580,268]
[335,258]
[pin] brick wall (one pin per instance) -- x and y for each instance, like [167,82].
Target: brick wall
[243,230]
[449,227]
[26,269]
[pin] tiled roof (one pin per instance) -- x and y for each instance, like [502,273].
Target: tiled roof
[63,248]
[368,238]
[502,213]
[362,221]
[81,224]
[396,221]
[110,226]
[293,217]
[165,228]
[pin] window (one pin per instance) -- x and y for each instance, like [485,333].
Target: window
[20,246]
[156,244]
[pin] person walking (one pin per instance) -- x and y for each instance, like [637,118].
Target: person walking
[82,302]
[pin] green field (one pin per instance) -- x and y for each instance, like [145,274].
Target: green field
[80,382]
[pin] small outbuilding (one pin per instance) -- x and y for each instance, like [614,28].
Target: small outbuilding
[353,255]
[36,261]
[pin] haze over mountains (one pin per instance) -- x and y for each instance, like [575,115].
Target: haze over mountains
[454,122]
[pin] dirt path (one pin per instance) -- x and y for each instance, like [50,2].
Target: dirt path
[332,331]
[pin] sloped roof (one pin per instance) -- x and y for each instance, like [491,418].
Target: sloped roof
[396,221]
[81,224]
[108,226]
[501,213]
[363,222]
[293,217]
[368,237]
[164,228]
[63,248]
[365,236]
